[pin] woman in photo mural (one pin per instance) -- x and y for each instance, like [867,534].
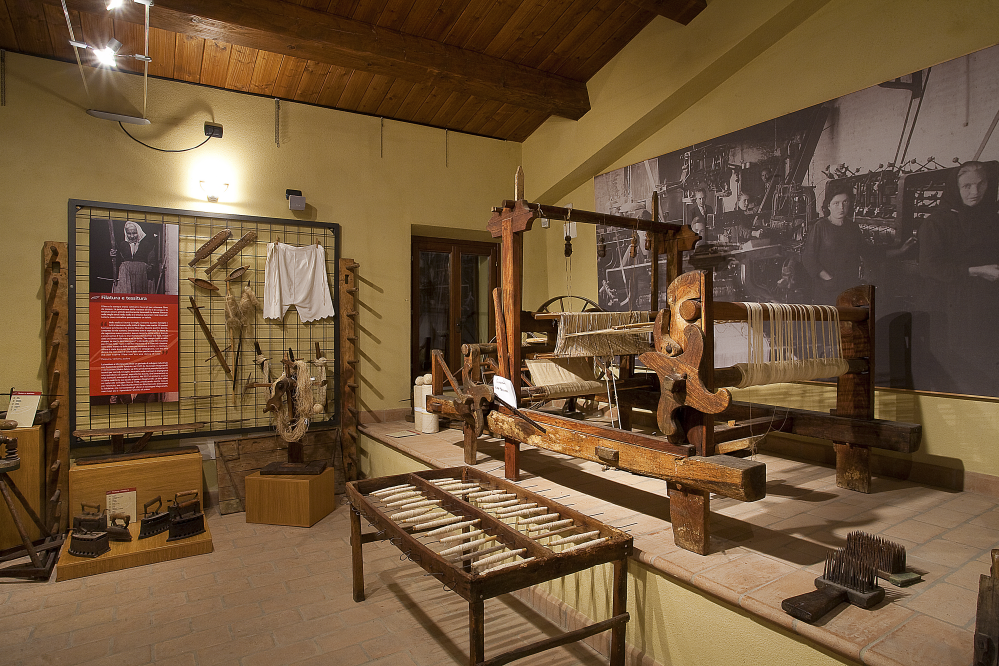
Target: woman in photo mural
[959,262]
[836,247]
[138,254]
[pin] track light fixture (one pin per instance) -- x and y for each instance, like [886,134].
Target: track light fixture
[108,55]
[117,4]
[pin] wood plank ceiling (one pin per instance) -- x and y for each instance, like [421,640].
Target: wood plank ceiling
[497,68]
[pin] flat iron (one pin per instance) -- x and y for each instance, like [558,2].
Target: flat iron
[88,544]
[89,520]
[186,518]
[118,527]
[180,500]
[153,521]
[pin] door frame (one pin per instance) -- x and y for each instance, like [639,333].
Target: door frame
[455,247]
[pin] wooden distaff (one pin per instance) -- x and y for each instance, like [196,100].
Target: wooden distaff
[210,246]
[248,237]
[208,334]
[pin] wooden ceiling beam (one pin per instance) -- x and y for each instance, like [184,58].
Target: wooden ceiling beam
[681,11]
[293,30]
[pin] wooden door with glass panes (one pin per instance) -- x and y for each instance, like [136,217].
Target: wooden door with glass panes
[452,300]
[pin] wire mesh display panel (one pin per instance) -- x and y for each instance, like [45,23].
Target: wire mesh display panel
[207,393]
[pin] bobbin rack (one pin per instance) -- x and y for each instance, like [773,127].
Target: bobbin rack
[482,536]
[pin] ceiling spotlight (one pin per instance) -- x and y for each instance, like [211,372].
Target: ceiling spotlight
[106,56]
[118,4]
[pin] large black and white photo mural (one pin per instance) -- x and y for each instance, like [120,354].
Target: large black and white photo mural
[894,186]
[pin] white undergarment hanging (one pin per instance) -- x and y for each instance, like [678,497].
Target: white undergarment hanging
[296,276]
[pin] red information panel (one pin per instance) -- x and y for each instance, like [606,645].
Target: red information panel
[134,348]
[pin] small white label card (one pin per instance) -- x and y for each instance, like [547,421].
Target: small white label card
[122,501]
[503,388]
[22,408]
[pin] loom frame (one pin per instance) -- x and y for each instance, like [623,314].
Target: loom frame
[685,398]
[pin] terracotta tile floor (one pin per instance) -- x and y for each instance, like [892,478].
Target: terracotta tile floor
[266,596]
[765,551]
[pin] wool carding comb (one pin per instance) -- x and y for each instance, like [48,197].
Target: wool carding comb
[846,577]
[889,557]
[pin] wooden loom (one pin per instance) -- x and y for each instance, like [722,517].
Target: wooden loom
[689,395]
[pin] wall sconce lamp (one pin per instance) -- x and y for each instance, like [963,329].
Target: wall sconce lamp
[213,189]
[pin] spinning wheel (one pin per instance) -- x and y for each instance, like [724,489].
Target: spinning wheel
[568,303]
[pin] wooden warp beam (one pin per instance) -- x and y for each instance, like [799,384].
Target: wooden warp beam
[737,478]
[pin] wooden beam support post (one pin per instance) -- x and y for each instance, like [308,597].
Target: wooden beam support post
[855,392]
[510,223]
[689,512]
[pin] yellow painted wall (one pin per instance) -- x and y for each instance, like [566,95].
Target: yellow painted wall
[741,62]
[374,459]
[678,625]
[376,188]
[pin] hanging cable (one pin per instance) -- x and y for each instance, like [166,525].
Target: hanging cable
[568,254]
[162,150]
[145,66]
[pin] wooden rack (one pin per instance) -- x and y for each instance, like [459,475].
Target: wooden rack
[55,261]
[348,366]
[540,559]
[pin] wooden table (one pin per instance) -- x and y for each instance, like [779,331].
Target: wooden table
[538,563]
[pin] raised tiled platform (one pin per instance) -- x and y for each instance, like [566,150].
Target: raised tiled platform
[765,551]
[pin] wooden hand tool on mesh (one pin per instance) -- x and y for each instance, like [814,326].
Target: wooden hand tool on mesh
[248,238]
[210,246]
[196,309]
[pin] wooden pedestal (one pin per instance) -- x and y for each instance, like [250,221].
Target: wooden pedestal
[134,553]
[296,500]
[29,480]
[150,477]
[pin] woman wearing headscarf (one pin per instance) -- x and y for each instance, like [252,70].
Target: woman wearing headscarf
[959,259]
[137,254]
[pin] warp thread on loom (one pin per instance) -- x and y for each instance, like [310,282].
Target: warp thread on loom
[564,377]
[805,343]
[591,334]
